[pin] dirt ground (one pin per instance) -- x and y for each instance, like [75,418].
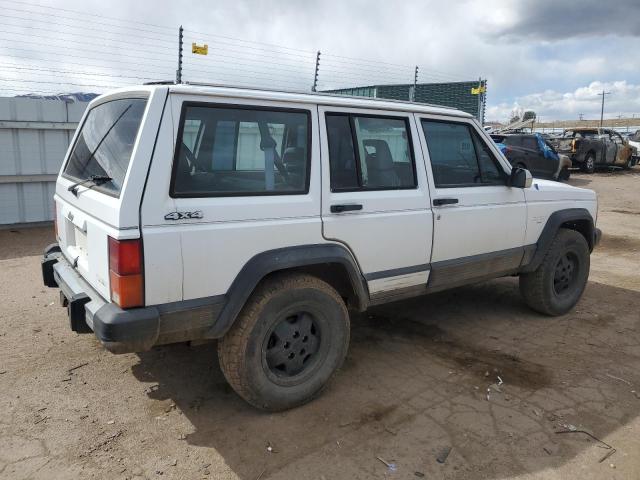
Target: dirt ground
[421,381]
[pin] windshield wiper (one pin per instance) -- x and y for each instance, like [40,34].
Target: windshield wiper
[95,179]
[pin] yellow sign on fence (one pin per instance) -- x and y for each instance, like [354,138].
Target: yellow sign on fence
[199,50]
[478,90]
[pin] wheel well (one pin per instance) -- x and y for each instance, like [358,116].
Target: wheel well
[336,275]
[584,227]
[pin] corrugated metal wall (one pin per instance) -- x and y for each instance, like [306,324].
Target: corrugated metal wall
[34,135]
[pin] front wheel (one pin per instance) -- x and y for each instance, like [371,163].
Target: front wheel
[559,281]
[289,339]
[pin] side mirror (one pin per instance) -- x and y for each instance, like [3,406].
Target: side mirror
[520,178]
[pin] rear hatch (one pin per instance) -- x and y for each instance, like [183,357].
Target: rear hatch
[91,200]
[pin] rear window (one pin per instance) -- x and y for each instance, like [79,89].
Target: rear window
[105,143]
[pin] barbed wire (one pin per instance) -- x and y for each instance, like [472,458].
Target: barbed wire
[68,48]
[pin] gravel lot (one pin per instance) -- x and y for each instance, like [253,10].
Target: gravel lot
[420,381]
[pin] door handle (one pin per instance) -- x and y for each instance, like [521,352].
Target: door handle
[345,208]
[437,202]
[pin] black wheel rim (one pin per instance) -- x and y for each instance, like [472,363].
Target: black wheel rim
[293,345]
[565,274]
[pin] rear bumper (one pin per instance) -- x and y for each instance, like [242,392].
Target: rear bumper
[131,330]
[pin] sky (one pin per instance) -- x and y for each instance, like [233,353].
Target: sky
[553,57]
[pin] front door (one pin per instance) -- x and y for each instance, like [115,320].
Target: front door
[610,148]
[375,197]
[479,222]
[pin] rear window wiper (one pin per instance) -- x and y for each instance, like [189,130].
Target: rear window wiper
[95,179]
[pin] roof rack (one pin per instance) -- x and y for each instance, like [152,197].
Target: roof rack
[304,92]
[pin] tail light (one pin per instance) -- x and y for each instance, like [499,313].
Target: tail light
[574,143]
[125,272]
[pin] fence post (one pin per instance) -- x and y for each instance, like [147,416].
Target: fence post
[415,84]
[180,42]
[315,76]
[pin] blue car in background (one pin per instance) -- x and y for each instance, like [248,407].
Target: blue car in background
[533,152]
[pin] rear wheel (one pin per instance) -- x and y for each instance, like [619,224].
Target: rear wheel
[289,339]
[629,164]
[589,164]
[558,283]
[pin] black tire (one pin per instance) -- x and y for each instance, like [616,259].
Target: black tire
[289,339]
[589,164]
[557,284]
[629,164]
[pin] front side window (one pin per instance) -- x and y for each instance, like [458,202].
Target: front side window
[459,157]
[369,153]
[241,151]
[105,142]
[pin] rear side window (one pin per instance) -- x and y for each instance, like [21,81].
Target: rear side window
[105,142]
[459,157]
[231,151]
[369,153]
[530,143]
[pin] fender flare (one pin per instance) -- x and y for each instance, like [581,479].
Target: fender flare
[554,222]
[264,263]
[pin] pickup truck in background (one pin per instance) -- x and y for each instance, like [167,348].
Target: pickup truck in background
[589,148]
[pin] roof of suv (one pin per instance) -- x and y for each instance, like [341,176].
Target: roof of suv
[308,97]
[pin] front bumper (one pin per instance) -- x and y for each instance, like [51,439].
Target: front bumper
[131,330]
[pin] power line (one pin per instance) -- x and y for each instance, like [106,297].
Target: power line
[57,53]
[77,12]
[62,83]
[66,62]
[251,41]
[58,32]
[40,44]
[13,17]
[73,72]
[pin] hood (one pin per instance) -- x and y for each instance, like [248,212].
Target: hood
[550,190]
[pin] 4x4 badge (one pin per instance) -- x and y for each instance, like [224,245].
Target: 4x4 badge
[183,215]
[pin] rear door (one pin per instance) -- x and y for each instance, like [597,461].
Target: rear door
[114,143]
[245,180]
[479,222]
[375,198]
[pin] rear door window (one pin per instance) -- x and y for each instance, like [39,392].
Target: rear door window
[530,142]
[241,151]
[105,142]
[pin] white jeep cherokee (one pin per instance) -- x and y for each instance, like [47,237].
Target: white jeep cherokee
[260,218]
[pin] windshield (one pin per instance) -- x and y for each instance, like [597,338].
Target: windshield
[104,145]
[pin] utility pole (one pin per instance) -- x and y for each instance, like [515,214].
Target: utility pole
[602,108]
[179,70]
[581,115]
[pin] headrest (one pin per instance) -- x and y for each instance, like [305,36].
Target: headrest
[381,158]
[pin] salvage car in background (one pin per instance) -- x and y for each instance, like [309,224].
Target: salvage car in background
[591,147]
[634,143]
[533,152]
